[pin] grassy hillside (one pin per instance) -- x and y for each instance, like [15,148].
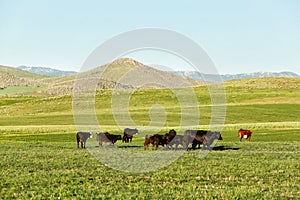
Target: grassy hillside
[19,73]
[16,81]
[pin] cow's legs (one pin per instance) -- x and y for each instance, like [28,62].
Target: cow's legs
[248,138]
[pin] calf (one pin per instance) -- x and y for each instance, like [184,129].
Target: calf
[107,137]
[82,138]
[243,133]
[128,134]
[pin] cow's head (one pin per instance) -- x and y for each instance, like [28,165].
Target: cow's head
[91,135]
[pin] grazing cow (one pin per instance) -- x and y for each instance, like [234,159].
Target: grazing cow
[243,133]
[128,134]
[158,139]
[198,137]
[169,136]
[148,140]
[82,138]
[107,137]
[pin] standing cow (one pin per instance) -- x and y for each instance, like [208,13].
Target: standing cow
[243,133]
[107,137]
[198,137]
[82,138]
[128,134]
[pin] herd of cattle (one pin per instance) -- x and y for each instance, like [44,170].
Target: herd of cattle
[170,139]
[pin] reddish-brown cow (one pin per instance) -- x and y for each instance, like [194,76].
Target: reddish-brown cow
[243,133]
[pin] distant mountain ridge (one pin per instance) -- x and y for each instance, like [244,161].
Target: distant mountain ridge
[197,76]
[46,71]
[187,74]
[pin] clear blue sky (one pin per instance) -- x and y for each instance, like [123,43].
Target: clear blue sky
[239,36]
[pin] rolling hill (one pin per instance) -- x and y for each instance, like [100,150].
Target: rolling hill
[12,77]
[121,73]
[19,73]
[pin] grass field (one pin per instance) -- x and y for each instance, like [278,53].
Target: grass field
[40,158]
[20,89]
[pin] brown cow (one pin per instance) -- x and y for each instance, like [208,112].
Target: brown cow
[148,140]
[155,140]
[243,133]
[82,138]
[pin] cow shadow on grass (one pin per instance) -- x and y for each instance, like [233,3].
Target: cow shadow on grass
[116,146]
[131,146]
[224,148]
[216,148]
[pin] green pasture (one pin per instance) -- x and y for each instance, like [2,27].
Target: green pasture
[40,158]
[13,90]
[44,162]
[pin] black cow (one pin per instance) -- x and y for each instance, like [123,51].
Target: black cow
[128,134]
[198,137]
[82,137]
[107,137]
